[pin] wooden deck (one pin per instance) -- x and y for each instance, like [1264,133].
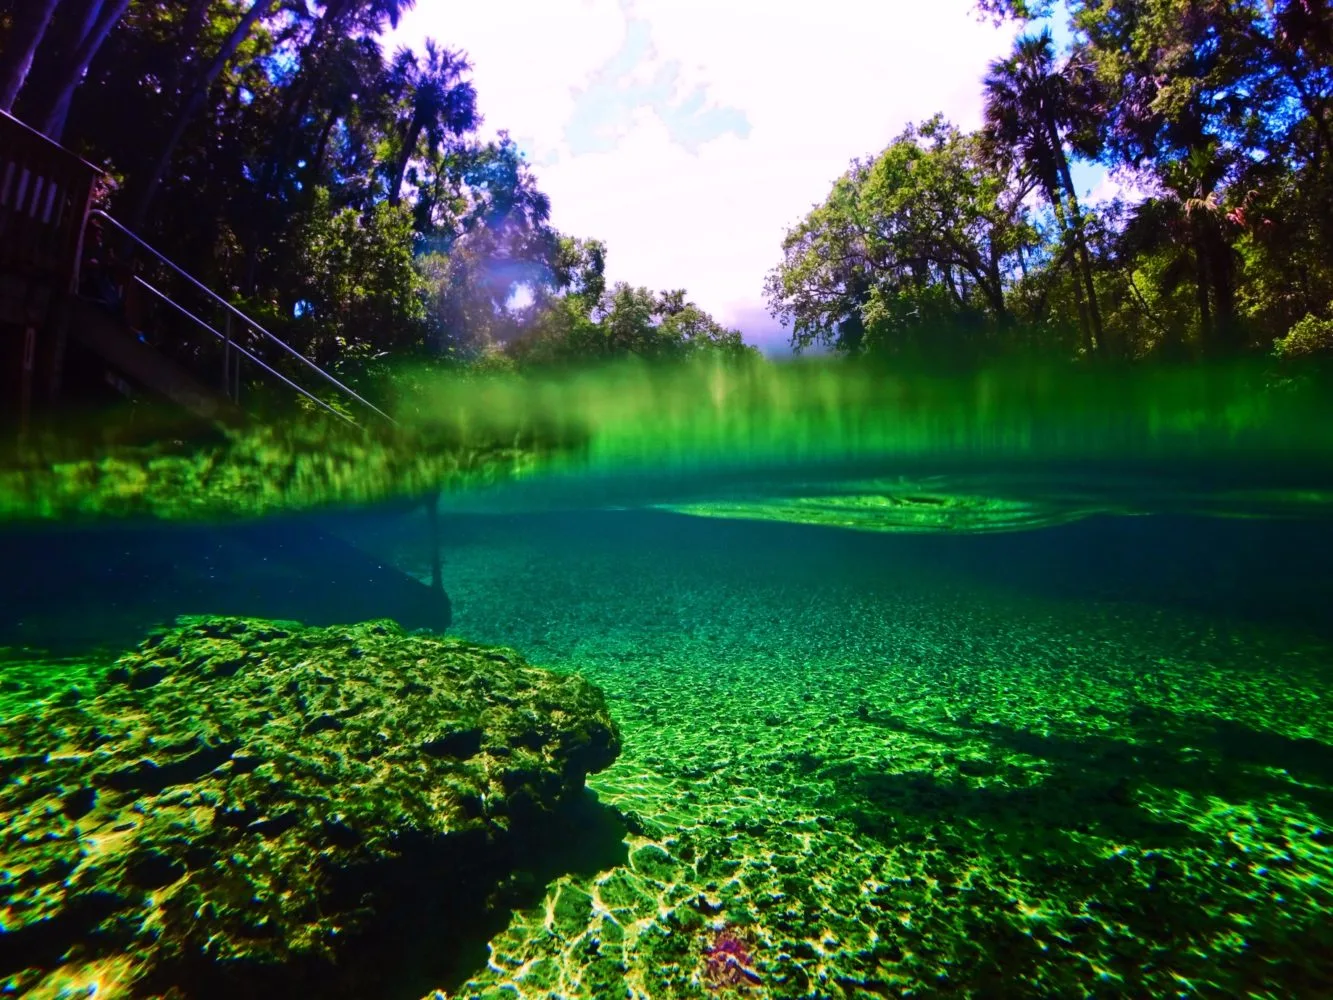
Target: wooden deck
[46,192]
[44,195]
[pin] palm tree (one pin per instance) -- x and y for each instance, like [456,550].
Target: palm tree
[1033,108]
[1187,221]
[435,100]
[354,74]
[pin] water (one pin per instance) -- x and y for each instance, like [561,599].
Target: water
[1041,713]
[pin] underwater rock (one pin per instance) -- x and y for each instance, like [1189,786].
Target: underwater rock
[137,463]
[244,803]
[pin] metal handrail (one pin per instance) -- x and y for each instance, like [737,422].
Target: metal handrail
[232,344]
[244,319]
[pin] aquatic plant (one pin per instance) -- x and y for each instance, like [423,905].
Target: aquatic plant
[233,831]
[728,961]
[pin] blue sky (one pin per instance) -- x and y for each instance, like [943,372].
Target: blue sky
[689,134]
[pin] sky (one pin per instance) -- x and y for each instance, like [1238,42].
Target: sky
[689,135]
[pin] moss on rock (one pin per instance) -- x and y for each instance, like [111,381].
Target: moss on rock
[294,464]
[243,801]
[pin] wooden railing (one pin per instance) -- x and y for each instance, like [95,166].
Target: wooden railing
[44,197]
[46,211]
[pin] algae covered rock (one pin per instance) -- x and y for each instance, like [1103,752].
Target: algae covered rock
[244,803]
[301,462]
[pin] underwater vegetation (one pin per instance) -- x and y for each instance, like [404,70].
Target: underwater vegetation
[743,752]
[472,437]
[299,463]
[817,410]
[244,807]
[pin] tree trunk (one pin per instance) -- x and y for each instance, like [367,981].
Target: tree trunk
[400,169]
[193,104]
[101,19]
[953,286]
[994,288]
[321,148]
[21,46]
[1070,240]
[1081,246]
[1224,308]
[1201,290]
[56,109]
[187,44]
[1220,293]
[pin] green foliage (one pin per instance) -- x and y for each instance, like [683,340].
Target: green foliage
[433,100]
[1220,114]
[1014,10]
[1311,338]
[341,195]
[626,322]
[358,290]
[278,153]
[580,267]
[1035,107]
[1222,110]
[913,253]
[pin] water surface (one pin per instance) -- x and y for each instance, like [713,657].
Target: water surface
[1030,705]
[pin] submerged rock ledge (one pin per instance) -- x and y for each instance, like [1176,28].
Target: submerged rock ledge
[244,803]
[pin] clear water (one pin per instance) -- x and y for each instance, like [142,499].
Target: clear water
[1044,712]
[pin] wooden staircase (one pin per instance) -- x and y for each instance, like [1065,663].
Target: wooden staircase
[68,334]
[137,367]
[67,346]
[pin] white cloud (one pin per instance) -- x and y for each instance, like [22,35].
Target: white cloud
[1122,185]
[818,84]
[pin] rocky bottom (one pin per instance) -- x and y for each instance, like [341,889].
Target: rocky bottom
[904,785]
[844,779]
[250,808]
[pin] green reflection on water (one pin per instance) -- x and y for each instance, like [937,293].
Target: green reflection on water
[711,431]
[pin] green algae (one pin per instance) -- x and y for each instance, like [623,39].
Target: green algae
[1018,503]
[28,676]
[250,472]
[916,511]
[242,802]
[471,436]
[638,415]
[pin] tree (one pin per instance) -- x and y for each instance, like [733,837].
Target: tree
[912,253]
[436,101]
[342,199]
[628,321]
[99,17]
[1033,108]
[356,289]
[193,104]
[580,270]
[1186,222]
[1223,113]
[350,99]
[480,207]
[26,34]
[313,55]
